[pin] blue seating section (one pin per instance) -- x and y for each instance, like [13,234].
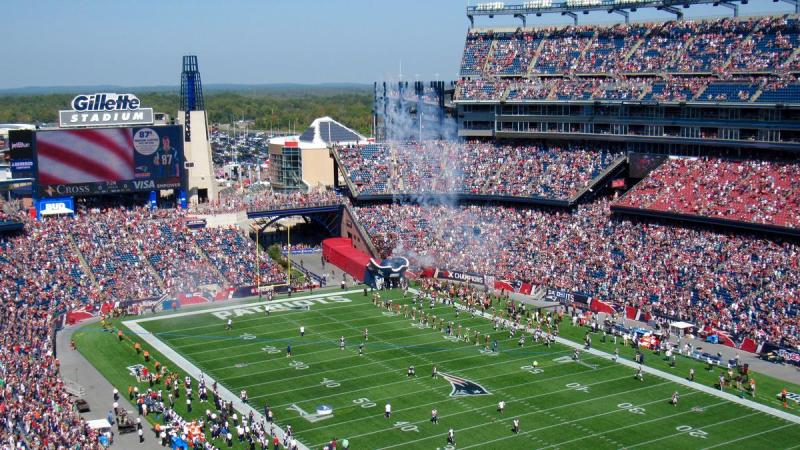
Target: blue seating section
[786,94]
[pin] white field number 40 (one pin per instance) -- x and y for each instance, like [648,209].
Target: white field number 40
[406,426]
[630,408]
[693,432]
[578,387]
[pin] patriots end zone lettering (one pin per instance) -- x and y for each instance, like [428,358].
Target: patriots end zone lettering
[283,305]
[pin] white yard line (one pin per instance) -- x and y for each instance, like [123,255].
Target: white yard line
[244,305]
[682,381]
[595,416]
[751,435]
[194,371]
[527,383]
[532,413]
[670,436]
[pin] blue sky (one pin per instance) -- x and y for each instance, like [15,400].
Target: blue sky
[86,42]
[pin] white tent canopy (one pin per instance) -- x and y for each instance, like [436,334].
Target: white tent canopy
[98,424]
[681,328]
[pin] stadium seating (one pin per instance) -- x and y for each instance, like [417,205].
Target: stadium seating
[680,59]
[234,256]
[730,282]
[759,192]
[475,168]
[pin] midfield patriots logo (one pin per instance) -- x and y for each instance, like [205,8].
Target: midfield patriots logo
[462,387]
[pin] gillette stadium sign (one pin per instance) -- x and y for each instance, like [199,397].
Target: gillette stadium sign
[105,109]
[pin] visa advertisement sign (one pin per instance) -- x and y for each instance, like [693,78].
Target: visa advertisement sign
[104,109]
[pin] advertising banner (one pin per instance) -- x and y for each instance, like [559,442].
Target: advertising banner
[104,109]
[21,144]
[557,295]
[108,160]
[55,206]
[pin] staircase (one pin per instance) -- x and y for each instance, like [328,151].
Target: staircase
[505,94]
[364,235]
[648,89]
[700,92]
[204,256]
[674,59]
[146,262]
[634,48]
[84,265]
[536,55]
[343,173]
[792,57]
[489,57]
[747,39]
[602,177]
[553,90]
[587,45]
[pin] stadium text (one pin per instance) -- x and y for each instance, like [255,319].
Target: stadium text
[105,102]
[278,306]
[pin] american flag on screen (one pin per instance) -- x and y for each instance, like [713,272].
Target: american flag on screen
[85,156]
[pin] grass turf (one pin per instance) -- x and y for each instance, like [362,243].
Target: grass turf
[562,404]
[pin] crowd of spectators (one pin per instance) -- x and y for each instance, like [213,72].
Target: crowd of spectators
[110,241]
[443,167]
[251,199]
[760,192]
[35,409]
[234,256]
[40,279]
[713,46]
[745,285]
[669,88]
[130,253]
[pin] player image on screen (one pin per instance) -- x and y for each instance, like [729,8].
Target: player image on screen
[165,160]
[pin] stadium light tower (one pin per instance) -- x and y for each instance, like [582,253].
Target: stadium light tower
[200,181]
[191,92]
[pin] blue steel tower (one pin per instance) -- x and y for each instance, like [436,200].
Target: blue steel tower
[191,92]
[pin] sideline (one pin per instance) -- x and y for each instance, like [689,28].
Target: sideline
[676,379]
[195,372]
[241,306]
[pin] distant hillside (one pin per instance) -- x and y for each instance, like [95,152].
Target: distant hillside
[248,88]
[279,106]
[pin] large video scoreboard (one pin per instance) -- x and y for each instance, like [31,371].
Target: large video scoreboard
[97,161]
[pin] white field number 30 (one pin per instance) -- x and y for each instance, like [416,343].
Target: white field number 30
[693,432]
[630,408]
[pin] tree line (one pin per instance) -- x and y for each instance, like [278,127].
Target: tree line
[270,109]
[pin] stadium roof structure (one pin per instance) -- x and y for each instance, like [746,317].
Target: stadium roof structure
[322,132]
[326,131]
[571,8]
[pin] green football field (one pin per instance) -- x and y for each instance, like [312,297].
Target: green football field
[594,403]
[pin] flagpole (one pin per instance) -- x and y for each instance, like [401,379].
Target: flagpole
[289,256]
[258,266]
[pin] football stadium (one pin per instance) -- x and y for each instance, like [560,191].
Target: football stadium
[590,239]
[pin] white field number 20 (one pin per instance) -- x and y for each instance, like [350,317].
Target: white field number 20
[630,408]
[693,432]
